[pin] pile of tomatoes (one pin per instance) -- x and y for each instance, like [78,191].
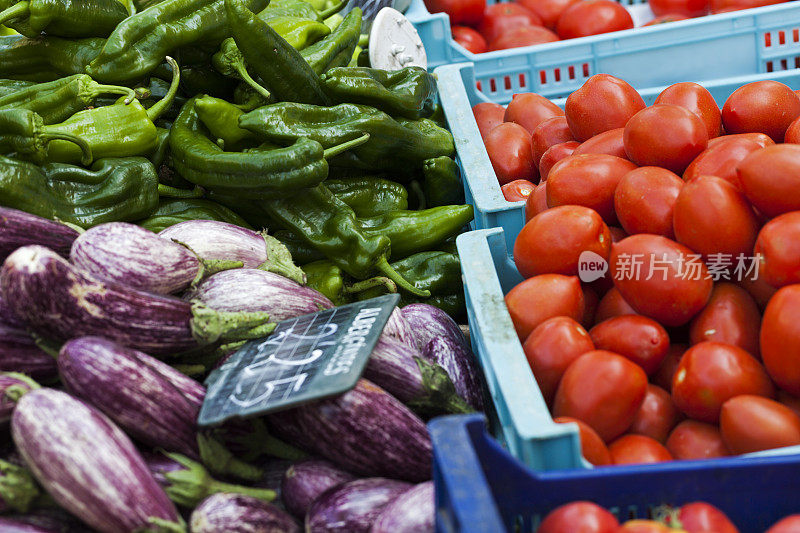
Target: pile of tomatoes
[696,517]
[662,262]
[480,28]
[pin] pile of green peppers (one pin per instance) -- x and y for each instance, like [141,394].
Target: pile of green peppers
[258,113]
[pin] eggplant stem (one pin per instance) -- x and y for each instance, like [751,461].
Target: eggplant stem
[262,494]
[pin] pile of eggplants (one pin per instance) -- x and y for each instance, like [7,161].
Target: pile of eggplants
[105,337]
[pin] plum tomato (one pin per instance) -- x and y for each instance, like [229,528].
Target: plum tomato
[693,97]
[612,304]
[537,201]
[792,402]
[553,155]
[503,17]
[731,317]
[720,159]
[660,278]
[609,405]
[593,448]
[726,6]
[712,216]
[760,290]
[780,338]
[592,17]
[767,107]
[517,190]
[657,416]
[645,199]
[530,109]
[642,340]
[711,373]
[665,373]
[469,39]
[696,440]
[488,115]
[701,517]
[523,36]
[541,297]
[793,132]
[646,526]
[468,12]
[687,8]
[762,140]
[588,180]
[609,142]
[590,303]
[770,179]
[602,103]
[790,524]
[548,10]
[549,133]
[509,149]
[665,135]
[552,242]
[778,250]
[551,347]
[637,450]
[664,19]
[585,517]
[753,423]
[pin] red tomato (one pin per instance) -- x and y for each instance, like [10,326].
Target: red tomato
[663,377]
[592,17]
[793,132]
[640,339]
[593,448]
[548,10]
[663,19]
[467,12]
[688,8]
[590,303]
[608,405]
[760,290]
[657,415]
[701,517]
[752,424]
[644,200]
[553,155]
[792,402]
[537,201]
[603,103]
[517,190]
[692,96]
[611,305]
[721,159]
[770,179]
[551,347]
[530,109]
[549,133]
[523,36]
[487,116]
[583,517]
[767,107]
[617,233]
[552,242]
[609,142]
[778,247]
[696,440]
[780,339]
[469,39]
[731,317]
[762,140]
[726,6]
[503,17]
[711,373]
[541,297]
[790,524]
[588,180]
[677,288]
[637,449]
[665,135]
[509,149]
[702,205]
[646,526]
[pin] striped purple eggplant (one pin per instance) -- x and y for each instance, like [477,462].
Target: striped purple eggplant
[211,239]
[89,466]
[12,386]
[304,481]
[412,512]
[18,489]
[366,431]
[234,513]
[18,350]
[353,506]
[150,400]
[251,290]
[459,363]
[424,387]
[60,301]
[18,228]
[398,327]
[427,322]
[133,256]
[11,525]
[43,520]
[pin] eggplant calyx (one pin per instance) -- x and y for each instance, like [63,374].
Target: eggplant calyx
[18,489]
[15,392]
[279,260]
[442,397]
[221,461]
[210,326]
[162,525]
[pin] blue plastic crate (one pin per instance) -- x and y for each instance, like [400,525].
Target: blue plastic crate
[481,488]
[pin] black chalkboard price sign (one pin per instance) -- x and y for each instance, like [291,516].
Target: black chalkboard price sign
[305,359]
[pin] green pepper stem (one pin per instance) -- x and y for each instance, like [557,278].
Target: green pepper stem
[333,151]
[325,13]
[51,135]
[371,283]
[386,269]
[16,11]
[162,105]
[173,192]
[99,89]
[241,70]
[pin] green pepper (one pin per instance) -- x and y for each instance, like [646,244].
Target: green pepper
[336,49]
[172,211]
[23,131]
[124,189]
[333,21]
[330,226]
[140,42]
[63,18]
[329,279]
[298,32]
[46,58]
[299,9]
[369,196]
[159,154]
[247,98]
[442,182]
[300,250]
[229,61]
[392,142]
[206,80]
[115,131]
[409,92]
[222,120]
[11,86]
[58,100]
[284,72]
[158,89]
